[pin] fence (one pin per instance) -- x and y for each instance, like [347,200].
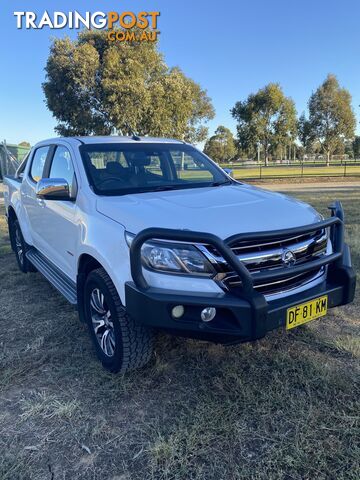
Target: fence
[299,170]
[8,162]
[316,163]
[18,151]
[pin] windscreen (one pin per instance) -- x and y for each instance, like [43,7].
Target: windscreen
[116,169]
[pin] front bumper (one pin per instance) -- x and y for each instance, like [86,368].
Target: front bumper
[245,314]
[237,319]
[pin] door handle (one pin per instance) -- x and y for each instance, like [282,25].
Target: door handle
[41,202]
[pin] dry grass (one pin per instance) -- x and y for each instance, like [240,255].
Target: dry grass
[286,407]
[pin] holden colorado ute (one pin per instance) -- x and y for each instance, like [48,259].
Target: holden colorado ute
[146,234]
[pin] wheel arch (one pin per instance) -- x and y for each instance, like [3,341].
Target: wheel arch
[11,214]
[11,217]
[87,262]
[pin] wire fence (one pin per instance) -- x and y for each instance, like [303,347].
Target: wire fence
[8,162]
[298,170]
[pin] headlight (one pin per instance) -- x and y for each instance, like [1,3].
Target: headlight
[173,257]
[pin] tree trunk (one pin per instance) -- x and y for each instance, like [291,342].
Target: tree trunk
[328,159]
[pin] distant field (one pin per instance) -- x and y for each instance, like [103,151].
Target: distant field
[284,408]
[278,171]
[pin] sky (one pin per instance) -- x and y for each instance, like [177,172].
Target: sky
[232,48]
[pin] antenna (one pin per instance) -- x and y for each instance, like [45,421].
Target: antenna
[133,134]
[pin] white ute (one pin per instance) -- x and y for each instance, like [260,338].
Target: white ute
[143,234]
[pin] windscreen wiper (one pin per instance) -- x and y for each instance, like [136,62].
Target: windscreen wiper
[159,188]
[165,187]
[219,184]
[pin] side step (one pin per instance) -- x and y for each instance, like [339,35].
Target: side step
[56,277]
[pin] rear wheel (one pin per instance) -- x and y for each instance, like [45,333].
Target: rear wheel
[20,248]
[121,344]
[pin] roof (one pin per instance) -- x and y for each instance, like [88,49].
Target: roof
[117,139]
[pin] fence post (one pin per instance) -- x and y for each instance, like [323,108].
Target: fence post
[302,168]
[344,169]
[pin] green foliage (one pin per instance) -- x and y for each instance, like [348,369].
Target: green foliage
[24,144]
[305,133]
[221,146]
[356,147]
[348,148]
[331,116]
[93,85]
[267,117]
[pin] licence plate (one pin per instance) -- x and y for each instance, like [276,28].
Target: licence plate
[305,312]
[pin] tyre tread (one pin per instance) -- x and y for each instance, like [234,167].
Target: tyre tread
[137,340]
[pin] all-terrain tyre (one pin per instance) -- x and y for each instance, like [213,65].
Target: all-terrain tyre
[121,344]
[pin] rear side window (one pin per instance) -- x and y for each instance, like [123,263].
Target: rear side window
[61,166]
[38,163]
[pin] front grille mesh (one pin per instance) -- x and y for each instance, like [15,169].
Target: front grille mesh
[268,255]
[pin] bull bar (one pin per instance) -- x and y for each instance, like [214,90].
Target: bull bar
[253,313]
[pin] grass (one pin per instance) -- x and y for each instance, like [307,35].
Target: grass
[285,407]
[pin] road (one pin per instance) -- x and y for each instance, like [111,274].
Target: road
[310,187]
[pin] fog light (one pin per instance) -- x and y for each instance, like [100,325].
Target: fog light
[208,314]
[178,311]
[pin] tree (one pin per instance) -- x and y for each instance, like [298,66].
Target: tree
[305,133]
[331,116]
[93,85]
[356,147]
[24,144]
[266,117]
[348,149]
[221,146]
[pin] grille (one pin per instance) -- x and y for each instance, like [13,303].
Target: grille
[268,255]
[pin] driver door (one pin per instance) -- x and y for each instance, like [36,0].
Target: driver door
[60,227]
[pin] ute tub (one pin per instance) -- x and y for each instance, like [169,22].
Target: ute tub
[245,314]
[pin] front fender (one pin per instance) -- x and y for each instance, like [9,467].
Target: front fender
[103,239]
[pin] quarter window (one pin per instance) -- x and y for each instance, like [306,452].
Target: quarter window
[21,169]
[38,163]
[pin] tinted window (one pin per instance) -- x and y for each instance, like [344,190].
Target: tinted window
[37,166]
[61,166]
[115,169]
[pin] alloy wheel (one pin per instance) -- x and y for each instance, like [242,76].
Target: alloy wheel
[102,322]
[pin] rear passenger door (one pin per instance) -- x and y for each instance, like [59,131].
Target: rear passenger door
[60,227]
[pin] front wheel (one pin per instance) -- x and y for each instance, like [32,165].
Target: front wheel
[120,343]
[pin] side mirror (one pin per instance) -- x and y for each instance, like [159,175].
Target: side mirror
[228,171]
[53,189]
